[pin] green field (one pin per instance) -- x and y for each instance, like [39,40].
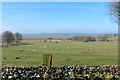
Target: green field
[64,53]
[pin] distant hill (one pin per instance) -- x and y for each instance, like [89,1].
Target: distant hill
[57,34]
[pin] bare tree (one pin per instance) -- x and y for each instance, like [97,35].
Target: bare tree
[18,38]
[115,10]
[7,37]
[84,38]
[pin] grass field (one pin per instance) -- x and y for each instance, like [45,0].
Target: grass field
[64,53]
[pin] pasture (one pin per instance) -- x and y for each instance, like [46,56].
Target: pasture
[64,53]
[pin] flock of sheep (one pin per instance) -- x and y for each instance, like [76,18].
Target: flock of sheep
[45,47]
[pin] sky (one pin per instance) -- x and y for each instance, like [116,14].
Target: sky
[57,17]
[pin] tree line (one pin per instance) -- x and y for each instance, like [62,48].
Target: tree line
[86,38]
[115,11]
[8,37]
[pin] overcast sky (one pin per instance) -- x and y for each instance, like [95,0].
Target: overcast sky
[57,17]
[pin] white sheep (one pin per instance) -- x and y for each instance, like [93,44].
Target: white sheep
[56,48]
[87,49]
[33,50]
[21,49]
[44,46]
[67,47]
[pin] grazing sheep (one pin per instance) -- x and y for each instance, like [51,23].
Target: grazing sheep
[33,50]
[17,58]
[87,49]
[44,46]
[67,47]
[21,49]
[5,58]
[56,48]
